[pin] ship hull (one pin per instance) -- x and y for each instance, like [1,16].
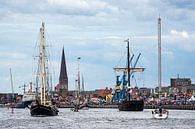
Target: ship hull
[42,110]
[23,104]
[133,105]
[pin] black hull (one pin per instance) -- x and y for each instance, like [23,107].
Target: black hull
[133,105]
[41,110]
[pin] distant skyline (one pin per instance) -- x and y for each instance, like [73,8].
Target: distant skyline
[95,30]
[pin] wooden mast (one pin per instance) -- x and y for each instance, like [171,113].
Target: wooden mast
[128,63]
[128,67]
[42,66]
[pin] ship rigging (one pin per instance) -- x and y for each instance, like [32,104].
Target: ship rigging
[122,94]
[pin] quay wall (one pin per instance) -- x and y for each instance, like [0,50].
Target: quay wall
[176,107]
[103,106]
[65,106]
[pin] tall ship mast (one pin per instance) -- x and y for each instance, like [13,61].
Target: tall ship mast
[43,105]
[78,78]
[122,95]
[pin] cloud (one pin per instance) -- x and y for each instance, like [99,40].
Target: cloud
[63,7]
[188,4]
[82,7]
[179,40]
[95,30]
[13,55]
[182,34]
[78,4]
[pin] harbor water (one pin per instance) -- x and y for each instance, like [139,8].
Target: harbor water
[96,119]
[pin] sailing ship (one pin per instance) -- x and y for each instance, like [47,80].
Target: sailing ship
[80,102]
[43,105]
[122,91]
[159,113]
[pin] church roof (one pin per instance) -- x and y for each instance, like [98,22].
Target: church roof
[63,71]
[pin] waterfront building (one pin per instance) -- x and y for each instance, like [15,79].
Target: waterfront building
[182,86]
[175,82]
[164,91]
[144,92]
[7,97]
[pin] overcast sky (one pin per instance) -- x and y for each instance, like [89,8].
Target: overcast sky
[95,30]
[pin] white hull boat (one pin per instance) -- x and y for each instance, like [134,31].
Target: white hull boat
[157,115]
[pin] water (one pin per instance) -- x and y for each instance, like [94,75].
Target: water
[96,119]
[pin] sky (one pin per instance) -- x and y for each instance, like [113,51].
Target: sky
[95,30]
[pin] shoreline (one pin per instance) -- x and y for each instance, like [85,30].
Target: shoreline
[111,106]
[115,106]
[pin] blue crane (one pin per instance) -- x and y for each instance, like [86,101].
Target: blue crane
[132,73]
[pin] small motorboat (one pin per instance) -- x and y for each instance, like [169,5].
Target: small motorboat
[160,113]
[75,108]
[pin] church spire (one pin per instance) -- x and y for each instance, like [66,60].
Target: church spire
[63,72]
[63,79]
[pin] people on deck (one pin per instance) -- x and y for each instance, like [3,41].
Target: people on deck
[160,110]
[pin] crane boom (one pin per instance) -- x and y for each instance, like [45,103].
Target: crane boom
[137,60]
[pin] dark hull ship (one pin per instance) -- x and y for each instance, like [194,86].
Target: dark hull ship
[43,110]
[132,105]
[43,105]
[122,95]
